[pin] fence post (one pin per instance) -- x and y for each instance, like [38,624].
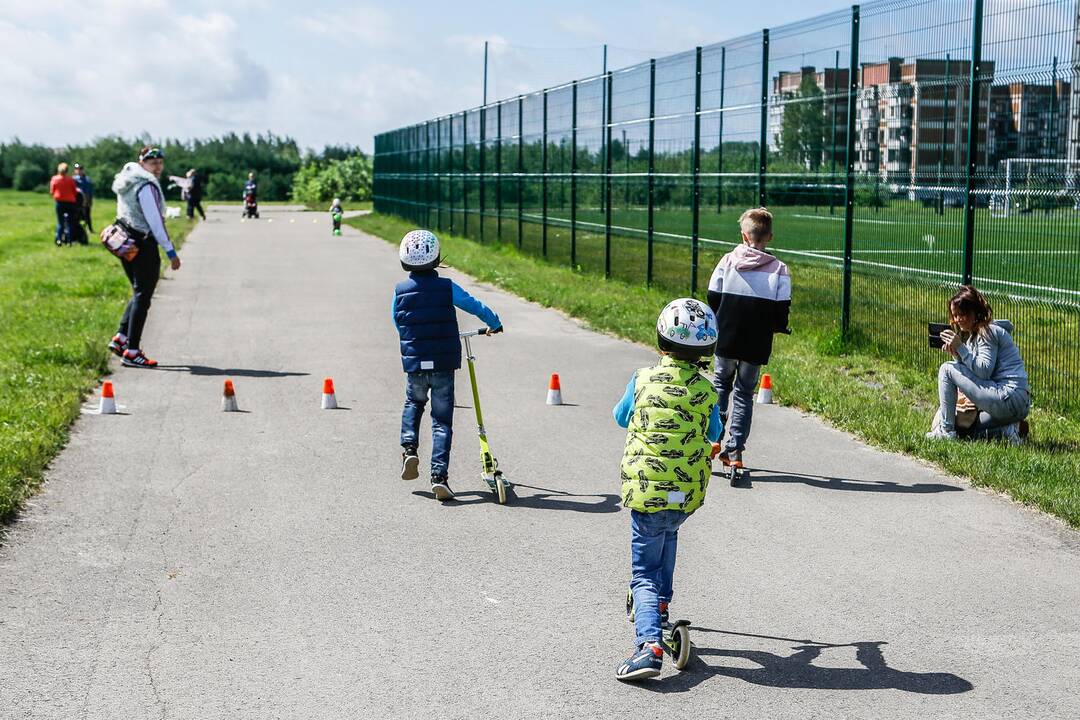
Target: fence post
[849,165]
[652,170]
[832,153]
[427,174]
[974,99]
[607,176]
[944,134]
[520,167]
[544,183]
[720,139]
[465,173]
[438,174]
[573,176]
[483,167]
[763,136]
[413,190]
[696,197]
[498,172]
[450,172]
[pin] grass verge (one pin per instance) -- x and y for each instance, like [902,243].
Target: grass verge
[881,402]
[60,306]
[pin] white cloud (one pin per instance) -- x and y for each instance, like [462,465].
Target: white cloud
[580,26]
[112,67]
[367,24]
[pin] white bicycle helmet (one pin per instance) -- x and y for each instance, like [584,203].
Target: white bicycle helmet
[687,326]
[419,250]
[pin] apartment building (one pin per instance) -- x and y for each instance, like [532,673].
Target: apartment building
[833,84]
[1029,121]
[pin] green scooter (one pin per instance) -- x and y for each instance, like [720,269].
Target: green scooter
[490,471]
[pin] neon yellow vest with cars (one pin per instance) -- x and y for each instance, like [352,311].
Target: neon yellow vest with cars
[666,463]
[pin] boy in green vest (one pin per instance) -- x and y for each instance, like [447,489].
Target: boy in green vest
[672,419]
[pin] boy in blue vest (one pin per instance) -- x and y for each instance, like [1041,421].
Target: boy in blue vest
[426,319]
[671,417]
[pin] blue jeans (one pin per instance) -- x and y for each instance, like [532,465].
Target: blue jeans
[1002,404]
[654,538]
[743,377]
[441,387]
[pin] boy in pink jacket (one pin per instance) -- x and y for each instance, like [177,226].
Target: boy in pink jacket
[750,293]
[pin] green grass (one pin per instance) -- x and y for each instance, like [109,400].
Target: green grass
[886,403]
[59,308]
[1029,255]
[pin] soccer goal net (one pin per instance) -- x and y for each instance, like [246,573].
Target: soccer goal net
[1026,184]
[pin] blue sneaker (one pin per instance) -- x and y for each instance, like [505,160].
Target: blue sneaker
[643,664]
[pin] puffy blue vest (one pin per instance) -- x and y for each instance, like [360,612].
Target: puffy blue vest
[427,324]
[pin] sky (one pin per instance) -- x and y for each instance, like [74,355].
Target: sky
[322,72]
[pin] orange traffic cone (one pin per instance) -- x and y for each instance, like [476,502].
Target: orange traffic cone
[108,401]
[764,396]
[228,399]
[554,391]
[329,400]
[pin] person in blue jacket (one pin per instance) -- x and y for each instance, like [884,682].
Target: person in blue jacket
[426,319]
[86,187]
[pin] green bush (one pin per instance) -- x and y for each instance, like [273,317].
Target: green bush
[29,176]
[320,182]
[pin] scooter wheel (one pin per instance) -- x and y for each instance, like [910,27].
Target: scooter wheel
[679,644]
[500,488]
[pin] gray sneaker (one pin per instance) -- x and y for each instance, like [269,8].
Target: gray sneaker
[939,434]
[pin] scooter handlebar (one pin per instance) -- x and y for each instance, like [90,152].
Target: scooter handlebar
[481,331]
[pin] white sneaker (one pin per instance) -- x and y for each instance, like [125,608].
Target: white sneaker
[939,434]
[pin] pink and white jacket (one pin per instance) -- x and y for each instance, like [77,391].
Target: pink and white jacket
[750,292]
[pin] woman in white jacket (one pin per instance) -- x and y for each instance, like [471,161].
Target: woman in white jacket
[140,209]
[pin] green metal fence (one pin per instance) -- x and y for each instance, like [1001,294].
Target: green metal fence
[904,147]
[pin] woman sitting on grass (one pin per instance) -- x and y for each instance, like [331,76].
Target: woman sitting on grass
[986,367]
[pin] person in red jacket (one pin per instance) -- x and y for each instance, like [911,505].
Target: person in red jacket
[63,189]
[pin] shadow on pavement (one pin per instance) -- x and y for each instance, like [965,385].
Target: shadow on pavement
[231,372]
[851,484]
[797,671]
[547,500]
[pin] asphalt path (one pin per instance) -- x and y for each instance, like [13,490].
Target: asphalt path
[182,562]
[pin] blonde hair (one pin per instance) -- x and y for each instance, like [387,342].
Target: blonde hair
[62,168]
[756,223]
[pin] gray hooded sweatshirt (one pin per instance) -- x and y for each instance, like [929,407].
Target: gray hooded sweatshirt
[994,356]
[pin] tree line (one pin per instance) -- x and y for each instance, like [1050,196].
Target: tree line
[283,170]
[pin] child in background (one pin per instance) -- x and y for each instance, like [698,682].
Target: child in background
[671,417]
[750,292]
[426,320]
[336,213]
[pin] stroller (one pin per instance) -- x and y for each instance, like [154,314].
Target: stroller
[251,206]
[72,230]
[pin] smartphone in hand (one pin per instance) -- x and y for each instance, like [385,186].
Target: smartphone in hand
[933,331]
